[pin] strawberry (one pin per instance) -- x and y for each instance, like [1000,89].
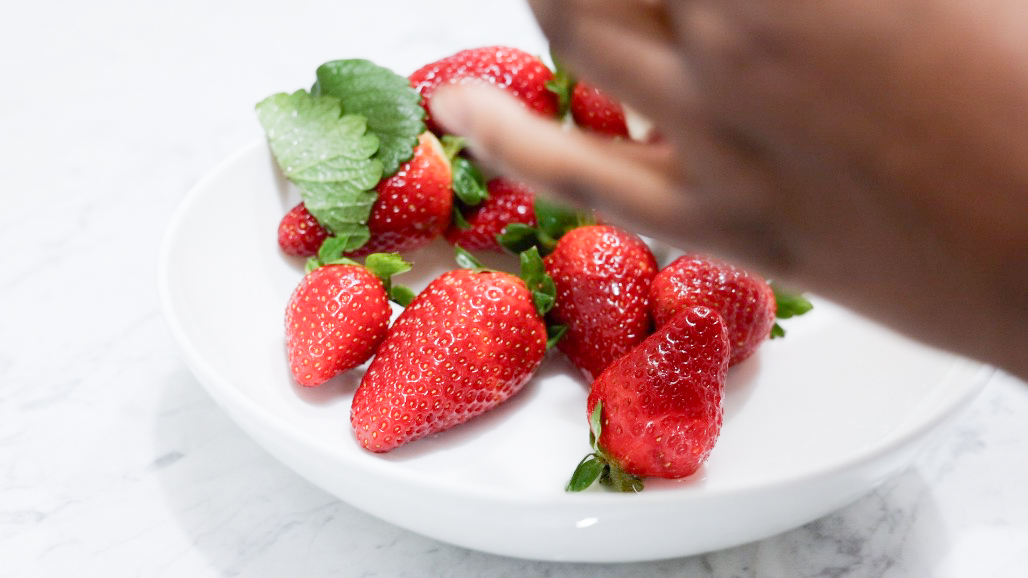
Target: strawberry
[339,313]
[414,205]
[299,233]
[521,74]
[745,300]
[595,111]
[478,226]
[602,275]
[468,342]
[657,411]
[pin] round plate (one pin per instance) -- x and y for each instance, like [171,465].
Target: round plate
[812,421]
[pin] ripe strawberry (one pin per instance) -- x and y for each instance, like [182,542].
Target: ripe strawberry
[414,205]
[339,314]
[519,73]
[602,274]
[299,233]
[745,301]
[468,342]
[657,411]
[507,202]
[594,110]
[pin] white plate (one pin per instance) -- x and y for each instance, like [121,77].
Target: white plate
[812,422]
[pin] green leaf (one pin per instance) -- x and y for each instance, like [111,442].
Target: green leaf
[453,145]
[619,480]
[327,155]
[595,424]
[561,84]
[402,295]
[556,220]
[465,260]
[331,251]
[787,305]
[457,218]
[386,99]
[385,265]
[553,334]
[533,273]
[518,237]
[468,182]
[790,304]
[587,472]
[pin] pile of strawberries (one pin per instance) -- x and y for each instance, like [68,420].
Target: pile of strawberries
[654,343]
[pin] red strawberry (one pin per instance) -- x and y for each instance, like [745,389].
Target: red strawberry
[468,342]
[594,110]
[338,315]
[602,274]
[744,300]
[299,233]
[657,411]
[414,205]
[519,73]
[508,202]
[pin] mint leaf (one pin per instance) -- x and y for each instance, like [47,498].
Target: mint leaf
[328,156]
[392,108]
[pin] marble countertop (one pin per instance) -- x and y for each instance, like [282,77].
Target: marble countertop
[115,462]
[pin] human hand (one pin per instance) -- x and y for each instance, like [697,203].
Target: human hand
[874,152]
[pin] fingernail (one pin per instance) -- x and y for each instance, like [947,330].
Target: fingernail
[448,111]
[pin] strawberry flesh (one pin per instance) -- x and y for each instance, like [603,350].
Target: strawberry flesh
[662,402]
[414,205]
[602,274]
[335,319]
[745,300]
[519,73]
[299,233]
[596,111]
[467,343]
[509,202]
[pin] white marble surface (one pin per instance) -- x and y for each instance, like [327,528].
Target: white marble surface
[115,462]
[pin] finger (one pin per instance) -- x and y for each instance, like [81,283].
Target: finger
[634,181]
[646,16]
[721,205]
[625,47]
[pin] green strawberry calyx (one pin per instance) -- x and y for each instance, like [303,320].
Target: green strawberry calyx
[554,221]
[381,265]
[598,466]
[562,83]
[788,305]
[468,182]
[533,274]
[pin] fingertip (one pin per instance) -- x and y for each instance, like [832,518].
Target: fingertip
[449,110]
